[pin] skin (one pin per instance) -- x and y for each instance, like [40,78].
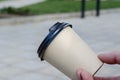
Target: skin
[109,58]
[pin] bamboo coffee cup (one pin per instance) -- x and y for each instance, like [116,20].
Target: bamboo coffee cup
[66,51]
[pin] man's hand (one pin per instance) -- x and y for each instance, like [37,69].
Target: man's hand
[110,58]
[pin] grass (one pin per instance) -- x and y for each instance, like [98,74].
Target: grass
[3,0]
[63,6]
[53,7]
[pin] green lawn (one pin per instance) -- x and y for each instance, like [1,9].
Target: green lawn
[60,6]
[53,7]
[63,6]
[3,0]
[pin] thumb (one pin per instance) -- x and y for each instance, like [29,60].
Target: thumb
[84,75]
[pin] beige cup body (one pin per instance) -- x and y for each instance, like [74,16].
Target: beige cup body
[68,52]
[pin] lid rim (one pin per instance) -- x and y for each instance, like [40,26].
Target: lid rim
[53,32]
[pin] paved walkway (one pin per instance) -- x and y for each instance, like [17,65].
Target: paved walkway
[19,43]
[18,3]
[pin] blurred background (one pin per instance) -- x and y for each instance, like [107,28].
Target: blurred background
[25,23]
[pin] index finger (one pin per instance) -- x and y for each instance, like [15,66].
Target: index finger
[110,58]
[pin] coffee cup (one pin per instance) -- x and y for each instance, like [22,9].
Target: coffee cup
[67,51]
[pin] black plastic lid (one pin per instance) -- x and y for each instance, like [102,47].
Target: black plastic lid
[53,31]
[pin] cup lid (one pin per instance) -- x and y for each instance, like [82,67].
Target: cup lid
[53,32]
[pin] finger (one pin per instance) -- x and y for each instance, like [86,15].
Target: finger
[107,78]
[111,58]
[83,75]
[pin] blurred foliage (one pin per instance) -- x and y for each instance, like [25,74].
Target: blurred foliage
[11,10]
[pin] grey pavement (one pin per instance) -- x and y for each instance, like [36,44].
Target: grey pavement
[18,3]
[19,43]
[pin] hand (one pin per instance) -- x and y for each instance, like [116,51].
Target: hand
[111,58]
